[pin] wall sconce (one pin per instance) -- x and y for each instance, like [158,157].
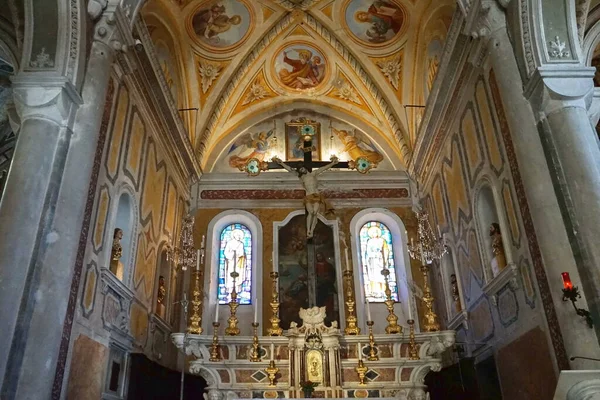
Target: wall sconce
[571,292]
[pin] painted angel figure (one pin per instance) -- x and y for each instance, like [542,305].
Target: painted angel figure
[259,144]
[358,146]
[314,201]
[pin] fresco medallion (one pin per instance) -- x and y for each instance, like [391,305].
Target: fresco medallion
[375,22]
[222,24]
[300,66]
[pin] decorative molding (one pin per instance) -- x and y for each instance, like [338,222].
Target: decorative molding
[508,276]
[208,72]
[257,91]
[391,69]
[461,318]
[558,49]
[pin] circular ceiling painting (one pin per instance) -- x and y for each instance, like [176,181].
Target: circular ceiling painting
[375,22]
[221,24]
[300,66]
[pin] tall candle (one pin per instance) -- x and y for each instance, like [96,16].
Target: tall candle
[198,256]
[410,316]
[348,266]
[272,351]
[256,313]
[273,259]
[203,242]
[439,231]
[217,311]
[359,350]
[368,311]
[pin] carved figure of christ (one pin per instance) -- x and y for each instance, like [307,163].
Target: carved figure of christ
[313,201]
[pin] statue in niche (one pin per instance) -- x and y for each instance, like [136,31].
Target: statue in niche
[499,260]
[116,266]
[455,294]
[160,297]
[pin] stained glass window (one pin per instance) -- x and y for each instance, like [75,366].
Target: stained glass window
[235,254]
[376,254]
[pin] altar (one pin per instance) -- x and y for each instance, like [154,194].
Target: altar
[340,366]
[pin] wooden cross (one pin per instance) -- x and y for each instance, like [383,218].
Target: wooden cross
[308,163]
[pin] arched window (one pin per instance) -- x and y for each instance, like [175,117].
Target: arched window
[235,255]
[377,254]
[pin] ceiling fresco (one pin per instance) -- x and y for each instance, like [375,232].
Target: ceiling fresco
[246,63]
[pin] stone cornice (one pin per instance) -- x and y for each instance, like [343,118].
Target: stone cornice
[453,60]
[150,81]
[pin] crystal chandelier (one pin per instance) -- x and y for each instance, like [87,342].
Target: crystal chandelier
[185,255]
[428,246]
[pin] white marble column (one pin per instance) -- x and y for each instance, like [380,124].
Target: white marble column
[550,229]
[41,217]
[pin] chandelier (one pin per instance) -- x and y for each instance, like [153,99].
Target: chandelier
[428,246]
[184,256]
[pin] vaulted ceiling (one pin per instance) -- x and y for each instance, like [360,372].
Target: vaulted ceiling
[239,63]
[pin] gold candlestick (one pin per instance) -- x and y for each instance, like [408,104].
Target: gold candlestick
[361,370]
[214,348]
[392,319]
[351,328]
[255,354]
[413,352]
[196,319]
[372,354]
[272,371]
[232,328]
[431,324]
[275,329]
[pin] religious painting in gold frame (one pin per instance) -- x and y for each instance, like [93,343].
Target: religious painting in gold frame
[294,141]
[314,366]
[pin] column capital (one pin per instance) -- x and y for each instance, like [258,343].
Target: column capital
[110,21]
[47,97]
[553,87]
[484,18]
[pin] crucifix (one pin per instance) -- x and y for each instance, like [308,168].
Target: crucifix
[314,201]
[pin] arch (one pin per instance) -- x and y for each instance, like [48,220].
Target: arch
[487,210]
[215,228]
[163,270]
[449,267]
[124,216]
[390,150]
[402,263]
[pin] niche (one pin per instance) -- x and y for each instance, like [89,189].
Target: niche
[121,247]
[453,300]
[490,234]
[163,286]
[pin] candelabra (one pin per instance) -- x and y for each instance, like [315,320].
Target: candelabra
[254,353]
[275,329]
[214,348]
[428,248]
[196,319]
[184,256]
[431,324]
[361,370]
[232,328]
[392,318]
[351,328]
[413,353]
[272,371]
[372,353]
